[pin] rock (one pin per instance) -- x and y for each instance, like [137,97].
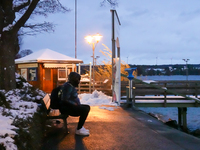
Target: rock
[172,123]
[196,132]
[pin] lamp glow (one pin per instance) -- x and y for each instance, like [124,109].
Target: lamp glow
[93,40]
[89,39]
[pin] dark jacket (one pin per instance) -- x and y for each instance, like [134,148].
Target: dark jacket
[69,95]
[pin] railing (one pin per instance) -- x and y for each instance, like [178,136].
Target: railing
[99,86]
[158,87]
[180,94]
[168,91]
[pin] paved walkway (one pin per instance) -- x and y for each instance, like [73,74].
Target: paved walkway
[120,129]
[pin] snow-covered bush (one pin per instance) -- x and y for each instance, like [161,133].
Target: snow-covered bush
[20,123]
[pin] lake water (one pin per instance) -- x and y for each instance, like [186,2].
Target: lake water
[164,114]
[176,77]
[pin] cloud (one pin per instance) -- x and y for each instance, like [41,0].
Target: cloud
[148,29]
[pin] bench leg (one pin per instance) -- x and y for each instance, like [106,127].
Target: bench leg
[65,125]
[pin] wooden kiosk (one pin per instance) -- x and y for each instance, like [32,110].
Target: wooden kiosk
[46,69]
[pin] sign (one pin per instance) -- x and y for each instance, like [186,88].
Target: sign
[116,63]
[34,65]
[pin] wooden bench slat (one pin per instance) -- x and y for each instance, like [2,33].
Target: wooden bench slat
[47,102]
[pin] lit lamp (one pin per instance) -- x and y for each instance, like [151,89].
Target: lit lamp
[93,40]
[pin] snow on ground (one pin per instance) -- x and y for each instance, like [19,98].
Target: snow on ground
[25,109]
[97,98]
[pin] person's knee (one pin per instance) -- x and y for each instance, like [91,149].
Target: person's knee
[87,108]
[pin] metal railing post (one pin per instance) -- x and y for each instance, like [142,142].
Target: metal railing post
[130,77]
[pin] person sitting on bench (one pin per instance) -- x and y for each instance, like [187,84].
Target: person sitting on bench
[70,103]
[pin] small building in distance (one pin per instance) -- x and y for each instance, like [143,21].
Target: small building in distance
[46,69]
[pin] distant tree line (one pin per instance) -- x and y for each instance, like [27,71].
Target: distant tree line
[23,53]
[151,70]
[177,69]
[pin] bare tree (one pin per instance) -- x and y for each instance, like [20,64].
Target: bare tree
[23,53]
[14,15]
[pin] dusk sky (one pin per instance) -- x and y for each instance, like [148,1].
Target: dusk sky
[151,32]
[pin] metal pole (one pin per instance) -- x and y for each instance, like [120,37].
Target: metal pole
[130,92]
[113,52]
[75,28]
[186,60]
[186,71]
[90,77]
[93,47]
[79,71]
[130,77]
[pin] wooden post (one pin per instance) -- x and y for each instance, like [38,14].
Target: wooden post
[165,95]
[196,93]
[185,119]
[179,117]
[182,118]
[134,92]
[165,98]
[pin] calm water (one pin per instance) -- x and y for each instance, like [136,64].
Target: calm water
[164,114]
[176,77]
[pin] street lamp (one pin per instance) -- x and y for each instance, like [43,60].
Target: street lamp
[186,60]
[93,40]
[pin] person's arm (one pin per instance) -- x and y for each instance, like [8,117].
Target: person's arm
[67,92]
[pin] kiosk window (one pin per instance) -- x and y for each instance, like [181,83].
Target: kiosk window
[32,74]
[61,74]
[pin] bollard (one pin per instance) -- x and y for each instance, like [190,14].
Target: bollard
[130,77]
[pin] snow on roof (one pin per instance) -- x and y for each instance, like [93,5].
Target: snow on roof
[47,55]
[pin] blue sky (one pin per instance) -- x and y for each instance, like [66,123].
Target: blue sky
[151,31]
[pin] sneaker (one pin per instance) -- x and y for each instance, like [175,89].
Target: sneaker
[82,131]
[85,129]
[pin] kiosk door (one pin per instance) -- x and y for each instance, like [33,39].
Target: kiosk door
[48,80]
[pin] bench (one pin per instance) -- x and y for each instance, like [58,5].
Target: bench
[46,103]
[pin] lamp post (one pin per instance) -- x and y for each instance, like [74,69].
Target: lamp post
[93,40]
[96,59]
[186,60]
[95,63]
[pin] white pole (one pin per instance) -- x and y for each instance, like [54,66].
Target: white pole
[72,67]
[79,71]
[75,28]
[66,73]
[90,76]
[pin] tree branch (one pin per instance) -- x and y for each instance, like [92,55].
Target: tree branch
[18,8]
[25,17]
[37,28]
[113,3]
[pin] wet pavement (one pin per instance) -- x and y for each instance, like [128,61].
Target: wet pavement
[121,129]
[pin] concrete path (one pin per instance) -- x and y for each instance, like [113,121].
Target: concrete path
[129,129]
